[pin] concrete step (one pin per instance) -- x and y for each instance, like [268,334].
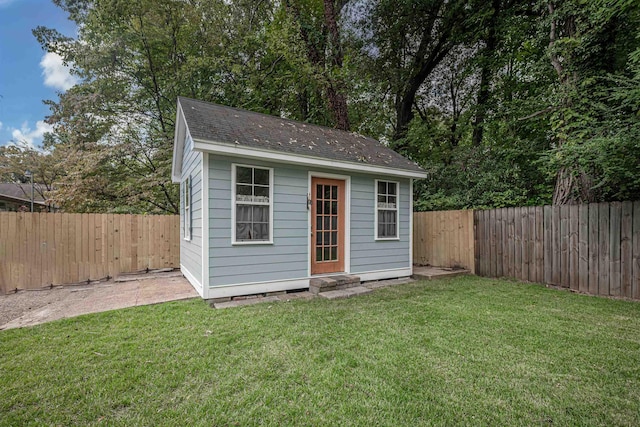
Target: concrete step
[346,293]
[333,283]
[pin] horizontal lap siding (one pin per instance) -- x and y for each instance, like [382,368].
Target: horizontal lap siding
[287,257]
[368,254]
[191,251]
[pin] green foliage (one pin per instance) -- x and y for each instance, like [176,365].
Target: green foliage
[501,174]
[492,102]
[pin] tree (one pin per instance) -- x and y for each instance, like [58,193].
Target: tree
[16,160]
[586,42]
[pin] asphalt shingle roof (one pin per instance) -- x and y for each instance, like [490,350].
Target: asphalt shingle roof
[20,191]
[217,123]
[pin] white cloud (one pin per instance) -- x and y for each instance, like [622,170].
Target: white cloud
[1,125]
[56,74]
[31,136]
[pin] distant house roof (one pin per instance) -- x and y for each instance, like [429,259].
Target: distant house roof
[20,193]
[232,131]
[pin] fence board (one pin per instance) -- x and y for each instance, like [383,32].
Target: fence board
[499,240]
[517,233]
[588,248]
[603,267]
[555,241]
[476,237]
[532,243]
[635,282]
[594,248]
[445,239]
[524,242]
[574,217]
[492,242]
[626,249]
[547,248]
[539,252]
[564,246]
[486,247]
[511,254]
[583,248]
[42,249]
[615,216]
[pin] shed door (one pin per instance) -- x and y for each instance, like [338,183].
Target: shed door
[327,225]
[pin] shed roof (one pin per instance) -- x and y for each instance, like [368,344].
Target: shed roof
[208,122]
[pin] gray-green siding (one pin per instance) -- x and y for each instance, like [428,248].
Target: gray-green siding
[367,253]
[191,250]
[287,258]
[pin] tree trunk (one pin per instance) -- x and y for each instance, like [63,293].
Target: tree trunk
[335,90]
[428,56]
[572,184]
[491,43]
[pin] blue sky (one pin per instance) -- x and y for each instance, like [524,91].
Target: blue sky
[28,74]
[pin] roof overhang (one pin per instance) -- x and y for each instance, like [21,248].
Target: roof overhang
[21,200]
[256,153]
[221,148]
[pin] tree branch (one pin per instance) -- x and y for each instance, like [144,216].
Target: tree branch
[538,113]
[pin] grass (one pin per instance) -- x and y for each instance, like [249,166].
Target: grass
[464,351]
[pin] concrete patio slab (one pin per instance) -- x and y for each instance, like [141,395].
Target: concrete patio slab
[430,273]
[74,301]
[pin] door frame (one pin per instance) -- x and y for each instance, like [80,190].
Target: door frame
[347,219]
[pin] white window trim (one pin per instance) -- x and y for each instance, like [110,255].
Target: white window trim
[375,209]
[186,209]
[233,206]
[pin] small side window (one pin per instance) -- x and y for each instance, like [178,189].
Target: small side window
[186,207]
[386,210]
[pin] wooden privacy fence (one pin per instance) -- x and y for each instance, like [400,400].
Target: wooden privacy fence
[42,249]
[444,238]
[591,248]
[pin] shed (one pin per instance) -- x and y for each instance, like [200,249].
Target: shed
[268,204]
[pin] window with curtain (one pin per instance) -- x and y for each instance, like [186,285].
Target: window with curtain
[186,197]
[252,204]
[387,210]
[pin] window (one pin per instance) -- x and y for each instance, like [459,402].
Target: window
[386,210]
[186,197]
[253,198]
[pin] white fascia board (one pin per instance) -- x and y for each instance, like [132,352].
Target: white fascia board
[178,145]
[257,153]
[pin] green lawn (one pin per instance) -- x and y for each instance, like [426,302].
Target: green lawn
[464,351]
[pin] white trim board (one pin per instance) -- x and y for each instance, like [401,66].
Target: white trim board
[256,288]
[206,244]
[411,223]
[178,145]
[193,281]
[300,283]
